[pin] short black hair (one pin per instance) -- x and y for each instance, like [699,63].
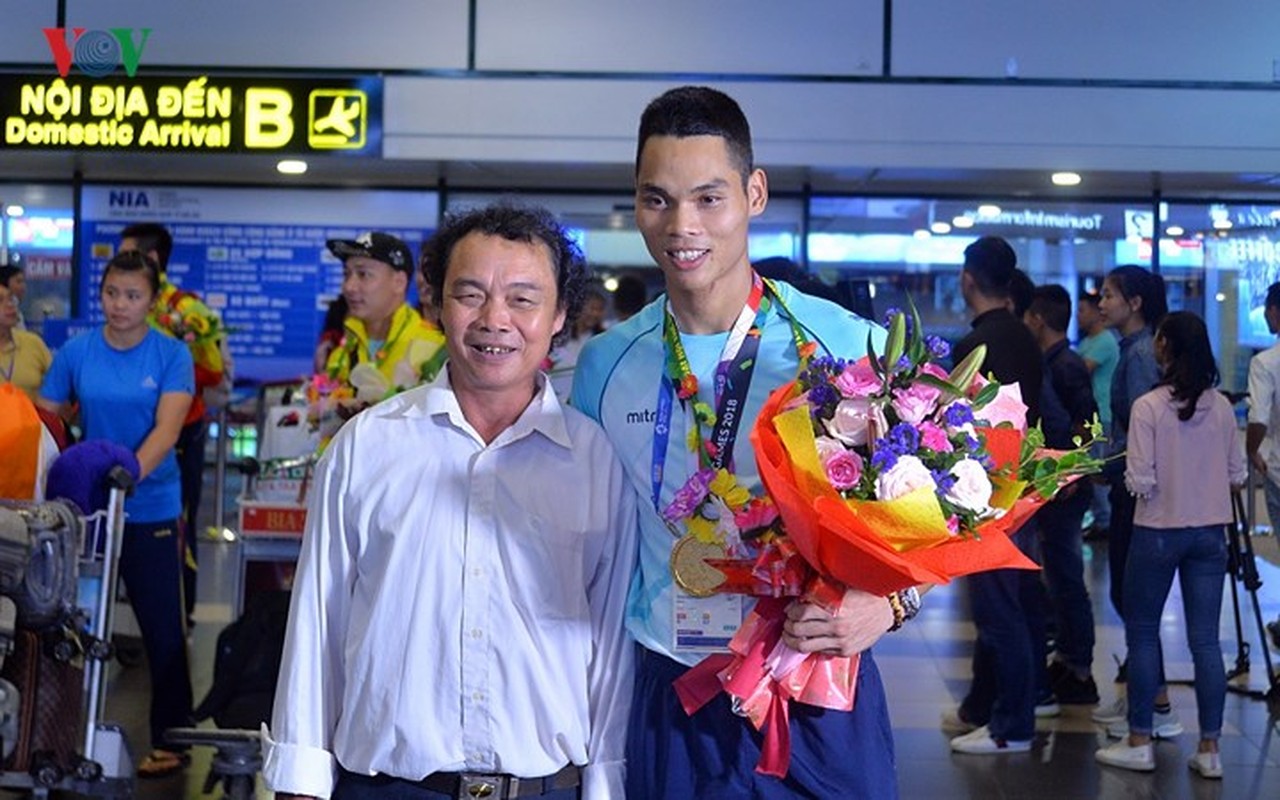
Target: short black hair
[1273,295]
[1052,304]
[516,223]
[151,236]
[8,272]
[133,261]
[1090,299]
[993,264]
[699,111]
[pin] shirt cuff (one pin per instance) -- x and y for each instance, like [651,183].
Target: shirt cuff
[604,781]
[1139,487]
[295,769]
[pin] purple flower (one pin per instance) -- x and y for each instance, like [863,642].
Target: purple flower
[883,459]
[903,439]
[944,479]
[937,346]
[957,415]
[689,496]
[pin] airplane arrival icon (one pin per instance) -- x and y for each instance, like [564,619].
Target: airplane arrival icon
[338,119]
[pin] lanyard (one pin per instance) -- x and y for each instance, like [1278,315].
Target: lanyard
[732,381]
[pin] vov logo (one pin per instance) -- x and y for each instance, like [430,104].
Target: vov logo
[97,52]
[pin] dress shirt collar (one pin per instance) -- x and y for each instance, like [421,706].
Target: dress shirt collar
[544,413]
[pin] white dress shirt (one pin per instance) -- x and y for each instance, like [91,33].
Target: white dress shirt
[1264,405]
[457,606]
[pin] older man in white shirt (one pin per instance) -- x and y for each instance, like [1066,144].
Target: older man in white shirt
[456,628]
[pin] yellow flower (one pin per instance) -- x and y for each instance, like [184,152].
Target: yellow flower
[703,529]
[693,440]
[197,323]
[726,487]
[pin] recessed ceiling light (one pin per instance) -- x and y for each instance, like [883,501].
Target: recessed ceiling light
[1220,297]
[941,228]
[1174,230]
[922,234]
[14,211]
[1222,224]
[1065,178]
[292,166]
[988,210]
[963,221]
[611,284]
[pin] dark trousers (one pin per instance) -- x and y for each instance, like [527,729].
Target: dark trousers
[351,786]
[713,753]
[1009,654]
[149,567]
[190,452]
[1062,555]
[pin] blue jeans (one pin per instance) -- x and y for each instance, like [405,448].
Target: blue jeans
[1199,557]
[1271,492]
[1061,551]
[1009,654]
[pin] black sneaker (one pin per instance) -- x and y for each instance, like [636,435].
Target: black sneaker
[1072,690]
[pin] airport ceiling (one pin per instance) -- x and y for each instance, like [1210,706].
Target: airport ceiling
[548,177]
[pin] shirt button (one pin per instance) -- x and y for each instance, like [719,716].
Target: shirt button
[477,572]
[476,633]
[478,697]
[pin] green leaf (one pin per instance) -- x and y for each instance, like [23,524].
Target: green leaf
[873,358]
[896,343]
[986,394]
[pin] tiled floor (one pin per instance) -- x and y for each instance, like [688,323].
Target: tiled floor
[926,669]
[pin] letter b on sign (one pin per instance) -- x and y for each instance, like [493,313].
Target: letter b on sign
[268,118]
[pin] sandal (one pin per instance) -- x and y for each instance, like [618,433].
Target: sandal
[161,763]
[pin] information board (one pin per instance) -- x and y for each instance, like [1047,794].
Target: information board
[257,256]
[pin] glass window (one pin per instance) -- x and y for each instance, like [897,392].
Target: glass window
[36,234]
[890,248]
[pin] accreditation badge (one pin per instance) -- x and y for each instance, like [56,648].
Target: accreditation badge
[705,623]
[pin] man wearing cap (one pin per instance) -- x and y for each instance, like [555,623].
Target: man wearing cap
[382,329]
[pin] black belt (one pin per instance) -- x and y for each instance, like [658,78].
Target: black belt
[467,785]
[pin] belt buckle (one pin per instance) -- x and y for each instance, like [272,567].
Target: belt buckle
[476,786]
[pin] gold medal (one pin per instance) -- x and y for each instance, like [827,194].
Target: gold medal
[690,569]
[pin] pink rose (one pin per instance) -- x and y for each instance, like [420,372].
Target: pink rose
[1006,407]
[934,438]
[849,423]
[844,469]
[828,448]
[907,475]
[915,402]
[858,380]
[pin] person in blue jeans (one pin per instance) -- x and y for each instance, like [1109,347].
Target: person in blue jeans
[1184,460]
[134,386]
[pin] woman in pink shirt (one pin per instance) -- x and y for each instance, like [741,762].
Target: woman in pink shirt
[1184,460]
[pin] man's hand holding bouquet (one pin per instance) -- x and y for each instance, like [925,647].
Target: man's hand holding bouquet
[882,474]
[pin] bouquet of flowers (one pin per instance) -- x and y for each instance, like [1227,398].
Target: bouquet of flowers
[882,474]
[192,327]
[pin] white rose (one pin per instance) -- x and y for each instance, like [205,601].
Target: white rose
[849,422]
[972,489]
[905,477]
[828,448]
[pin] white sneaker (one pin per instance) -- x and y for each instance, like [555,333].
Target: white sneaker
[1048,708]
[980,742]
[1117,711]
[1140,759]
[954,723]
[1208,765]
[1163,726]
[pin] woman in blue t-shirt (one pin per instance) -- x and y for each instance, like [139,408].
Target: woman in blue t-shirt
[134,386]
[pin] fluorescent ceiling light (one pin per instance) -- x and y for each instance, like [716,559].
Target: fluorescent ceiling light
[1065,178]
[922,234]
[292,166]
[1174,230]
[963,221]
[941,228]
[14,211]
[988,210]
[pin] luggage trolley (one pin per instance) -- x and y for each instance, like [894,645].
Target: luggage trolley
[64,593]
